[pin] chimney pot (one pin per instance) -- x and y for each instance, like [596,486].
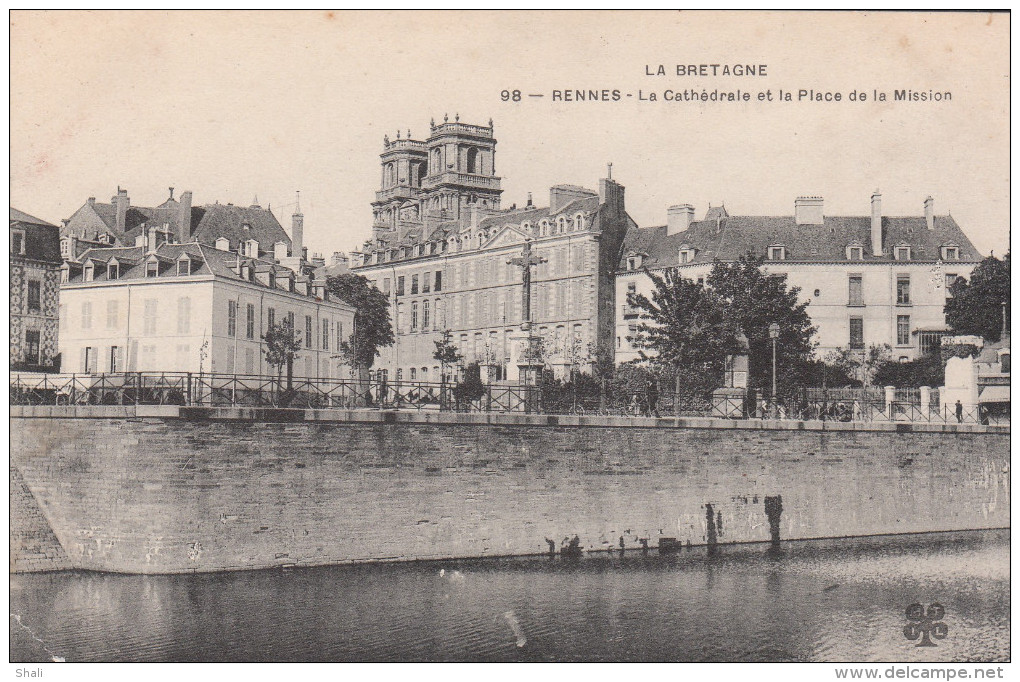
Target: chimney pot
[929,212]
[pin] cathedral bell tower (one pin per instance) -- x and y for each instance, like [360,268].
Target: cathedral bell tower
[461,169]
[404,166]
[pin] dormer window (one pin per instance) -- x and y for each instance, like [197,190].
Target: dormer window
[686,254]
[90,271]
[184,267]
[902,252]
[151,268]
[950,253]
[526,226]
[854,252]
[272,279]
[561,225]
[65,274]
[222,244]
[251,248]
[777,253]
[543,228]
[18,242]
[634,261]
[579,221]
[113,270]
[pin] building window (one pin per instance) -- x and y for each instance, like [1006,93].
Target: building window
[290,321]
[439,281]
[855,253]
[113,271]
[89,273]
[856,290]
[414,316]
[88,360]
[426,283]
[339,333]
[18,242]
[308,331]
[249,361]
[902,289]
[857,333]
[325,335]
[34,296]
[414,284]
[400,285]
[270,318]
[32,347]
[902,253]
[950,281]
[184,315]
[231,318]
[930,343]
[114,359]
[111,314]
[903,330]
[151,269]
[183,267]
[386,285]
[777,253]
[149,320]
[950,253]
[435,315]
[425,315]
[686,255]
[86,315]
[250,331]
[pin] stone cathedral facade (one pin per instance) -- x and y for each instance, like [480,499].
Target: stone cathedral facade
[440,248]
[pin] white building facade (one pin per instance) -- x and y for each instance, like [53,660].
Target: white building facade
[193,308]
[869,280]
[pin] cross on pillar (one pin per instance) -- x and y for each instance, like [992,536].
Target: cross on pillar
[525,262]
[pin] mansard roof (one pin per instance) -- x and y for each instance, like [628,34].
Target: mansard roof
[207,222]
[42,239]
[729,237]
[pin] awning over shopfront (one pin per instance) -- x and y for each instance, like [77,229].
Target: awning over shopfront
[994,394]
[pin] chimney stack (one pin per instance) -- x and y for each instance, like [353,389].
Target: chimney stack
[876,224]
[679,218]
[92,201]
[123,203]
[611,194]
[530,204]
[184,218]
[808,211]
[297,230]
[929,212]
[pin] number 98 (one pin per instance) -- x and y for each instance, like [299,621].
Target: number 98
[510,95]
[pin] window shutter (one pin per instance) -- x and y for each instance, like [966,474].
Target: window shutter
[84,357]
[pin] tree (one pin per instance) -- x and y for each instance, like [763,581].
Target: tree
[372,328]
[688,329]
[924,371]
[858,366]
[753,300]
[976,306]
[446,353]
[282,345]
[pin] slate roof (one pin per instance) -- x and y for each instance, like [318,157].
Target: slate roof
[443,230]
[727,238]
[208,222]
[42,239]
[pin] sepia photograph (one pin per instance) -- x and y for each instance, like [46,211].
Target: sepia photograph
[510,336]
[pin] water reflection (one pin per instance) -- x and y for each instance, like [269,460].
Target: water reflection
[826,600]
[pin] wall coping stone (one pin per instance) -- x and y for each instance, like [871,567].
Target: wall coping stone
[372,416]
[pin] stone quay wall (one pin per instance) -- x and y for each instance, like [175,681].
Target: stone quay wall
[169,489]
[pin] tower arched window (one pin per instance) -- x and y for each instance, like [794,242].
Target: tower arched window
[579,221]
[473,165]
[561,225]
[437,161]
[543,228]
[389,175]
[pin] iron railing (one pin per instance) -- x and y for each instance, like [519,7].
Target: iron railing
[231,390]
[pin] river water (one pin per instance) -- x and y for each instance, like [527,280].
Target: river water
[833,600]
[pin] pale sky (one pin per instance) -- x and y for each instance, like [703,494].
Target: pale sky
[233,105]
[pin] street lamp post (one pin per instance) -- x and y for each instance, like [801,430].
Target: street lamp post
[774,335]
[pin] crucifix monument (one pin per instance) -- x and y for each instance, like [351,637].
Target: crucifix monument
[524,365]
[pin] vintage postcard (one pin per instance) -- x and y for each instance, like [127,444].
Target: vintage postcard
[631,336]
